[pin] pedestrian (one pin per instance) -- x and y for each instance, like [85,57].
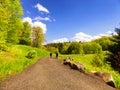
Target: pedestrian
[50,54]
[57,55]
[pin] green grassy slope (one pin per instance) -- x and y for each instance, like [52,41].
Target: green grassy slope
[87,59]
[14,60]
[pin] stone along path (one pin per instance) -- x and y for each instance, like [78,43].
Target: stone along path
[51,74]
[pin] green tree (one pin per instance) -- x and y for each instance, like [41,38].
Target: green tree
[15,21]
[114,58]
[75,48]
[104,42]
[37,36]
[4,20]
[91,48]
[64,50]
[25,34]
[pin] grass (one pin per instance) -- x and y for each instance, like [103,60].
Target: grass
[87,59]
[14,60]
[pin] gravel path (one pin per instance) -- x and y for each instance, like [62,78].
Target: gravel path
[51,74]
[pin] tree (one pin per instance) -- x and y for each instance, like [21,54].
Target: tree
[15,21]
[25,34]
[37,36]
[75,48]
[91,48]
[104,42]
[114,58]
[10,20]
[65,47]
[4,20]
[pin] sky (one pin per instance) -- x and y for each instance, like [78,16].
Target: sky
[72,20]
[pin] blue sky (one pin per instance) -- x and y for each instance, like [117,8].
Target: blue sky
[72,20]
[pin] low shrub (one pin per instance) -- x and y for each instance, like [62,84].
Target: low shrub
[3,48]
[31,54]
[98,60]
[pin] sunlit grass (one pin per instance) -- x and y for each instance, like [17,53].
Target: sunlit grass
[87,59]
[14,60]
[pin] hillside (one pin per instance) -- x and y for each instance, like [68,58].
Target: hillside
[18,57]
[89,60]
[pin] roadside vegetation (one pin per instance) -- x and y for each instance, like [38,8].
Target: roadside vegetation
[20,43]
[17,58]
[95,62]
[102,55]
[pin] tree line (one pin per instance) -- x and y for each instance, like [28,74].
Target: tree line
[110,44]
[13,30]
[96,46]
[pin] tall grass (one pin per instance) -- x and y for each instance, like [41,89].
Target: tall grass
[14,60]
[87,61]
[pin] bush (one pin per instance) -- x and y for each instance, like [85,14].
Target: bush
[98,60]
[31,54]
[3,47]
[75,48]
[92,48]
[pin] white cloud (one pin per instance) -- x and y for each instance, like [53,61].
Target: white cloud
[85,37]
[109,32]
[60,40]
[82,37]
[27,19]
[40,24]
[41,8]
[38,18]
[35,23]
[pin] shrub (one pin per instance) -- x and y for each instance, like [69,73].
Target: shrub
[92,48]
[31,54]
[98,60]
[3,47]
[75,48]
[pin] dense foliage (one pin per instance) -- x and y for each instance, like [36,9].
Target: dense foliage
[24,37]
[91,48]
[76,47]
[13,30]
[10,20]
[114,58]
[37,36]
[104,41]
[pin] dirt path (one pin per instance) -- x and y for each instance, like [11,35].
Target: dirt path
[51,74]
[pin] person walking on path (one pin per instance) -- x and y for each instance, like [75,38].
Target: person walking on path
[51,55]
[57,55]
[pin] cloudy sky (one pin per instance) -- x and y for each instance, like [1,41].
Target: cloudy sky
[72,20]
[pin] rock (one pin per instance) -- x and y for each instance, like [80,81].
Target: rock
[67,62]
[106,77]
[111,83]
[78,66]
